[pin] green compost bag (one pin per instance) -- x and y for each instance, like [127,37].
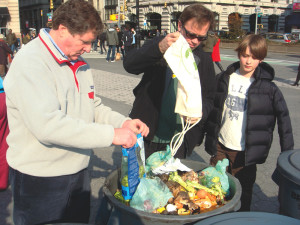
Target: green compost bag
[151,194]
[218,171]
[157,159]
[132,168]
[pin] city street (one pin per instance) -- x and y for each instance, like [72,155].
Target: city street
[114,85]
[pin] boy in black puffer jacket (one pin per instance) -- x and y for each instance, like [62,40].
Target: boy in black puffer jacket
[246,106]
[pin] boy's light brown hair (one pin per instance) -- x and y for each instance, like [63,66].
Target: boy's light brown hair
[257,46]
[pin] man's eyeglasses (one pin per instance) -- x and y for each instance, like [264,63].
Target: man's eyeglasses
[193,36]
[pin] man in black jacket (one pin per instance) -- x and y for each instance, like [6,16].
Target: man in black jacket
[155,95]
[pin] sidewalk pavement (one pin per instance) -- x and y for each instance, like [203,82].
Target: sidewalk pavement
[115,91]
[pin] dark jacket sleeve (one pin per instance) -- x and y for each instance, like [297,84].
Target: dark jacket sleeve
[283,121]
[208,83]
[206,70]
[139,60]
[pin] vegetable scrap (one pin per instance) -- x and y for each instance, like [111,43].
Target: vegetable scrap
[193,193]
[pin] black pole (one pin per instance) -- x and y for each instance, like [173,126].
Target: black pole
[138,23]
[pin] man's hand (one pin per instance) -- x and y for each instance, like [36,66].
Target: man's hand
[165,43]
[136,126]
[124,137]
[191,120]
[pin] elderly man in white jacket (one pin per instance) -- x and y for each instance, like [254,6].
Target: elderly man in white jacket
[56,120]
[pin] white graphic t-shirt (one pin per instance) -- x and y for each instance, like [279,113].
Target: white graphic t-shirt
[232,133]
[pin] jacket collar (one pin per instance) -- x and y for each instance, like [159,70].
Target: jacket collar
[53,50]
[263,71]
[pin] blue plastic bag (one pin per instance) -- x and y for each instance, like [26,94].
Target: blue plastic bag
[132,169]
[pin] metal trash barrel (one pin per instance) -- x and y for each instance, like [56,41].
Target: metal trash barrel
[113,212]
[249,218]
[288,165]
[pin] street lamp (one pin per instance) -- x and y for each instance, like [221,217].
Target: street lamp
[119,13]
[257,11]
[138,23]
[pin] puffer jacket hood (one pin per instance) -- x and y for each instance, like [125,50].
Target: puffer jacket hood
[112,37]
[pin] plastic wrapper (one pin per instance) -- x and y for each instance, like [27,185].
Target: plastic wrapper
[150,195]
[132,169]
[158,159]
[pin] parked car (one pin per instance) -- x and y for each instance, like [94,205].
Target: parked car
[279,37]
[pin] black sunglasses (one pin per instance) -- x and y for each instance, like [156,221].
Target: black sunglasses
[193,36]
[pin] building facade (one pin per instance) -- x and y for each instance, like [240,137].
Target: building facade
[158,14]
[275,15]
[35,14]
[9,16]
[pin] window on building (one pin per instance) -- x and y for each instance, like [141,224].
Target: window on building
[111,2]
[109,12]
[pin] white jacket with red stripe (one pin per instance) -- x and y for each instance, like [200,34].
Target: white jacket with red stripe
[54,117]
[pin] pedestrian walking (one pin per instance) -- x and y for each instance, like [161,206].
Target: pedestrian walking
[56,120]
[11,41]
[296,83]
[4,53]
[127,39]
[112,42]
[120,46]
[25,38]
[216,53]
[157,33]
[133,38]
[209,43]
[95,44]
[247,106]
[165,32]
[155,95]
[3,144]
[102,39]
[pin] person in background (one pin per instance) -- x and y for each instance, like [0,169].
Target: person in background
[165,32]
[4,52]
[155,95]
[33,35]
[11,41]
[25,38]
[112,42]
[157,33]
[133,38]
[127,39]
[247,106]
[95,44]
[296,83]
[3,144]
[216,53]
[55,120]
[209,43]
[102,39]
[120,46]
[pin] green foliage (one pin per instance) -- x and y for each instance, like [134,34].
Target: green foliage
[235,23]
